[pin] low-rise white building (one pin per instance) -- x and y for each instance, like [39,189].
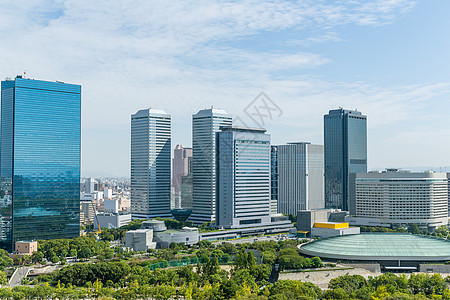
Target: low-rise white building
[111,220]
[187,235]
[140,239]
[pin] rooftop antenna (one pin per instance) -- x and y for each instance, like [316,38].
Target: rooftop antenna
[25,74]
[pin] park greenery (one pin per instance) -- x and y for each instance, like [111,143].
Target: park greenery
[202,271]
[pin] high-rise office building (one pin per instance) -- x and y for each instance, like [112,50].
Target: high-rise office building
[205,125]
[150,164]
[40,160]
[345,153]
[300,181]
[243,178]
[401,198]
[180,167]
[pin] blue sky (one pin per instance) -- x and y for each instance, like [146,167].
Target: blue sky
[389,59]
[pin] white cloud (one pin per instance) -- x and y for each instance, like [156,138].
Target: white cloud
[187,55]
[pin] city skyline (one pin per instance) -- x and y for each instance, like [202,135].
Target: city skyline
[309,57]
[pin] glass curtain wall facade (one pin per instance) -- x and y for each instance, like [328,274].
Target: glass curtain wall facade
[205,124]
[243,178]
[345,153]
[150,164]
[40,161]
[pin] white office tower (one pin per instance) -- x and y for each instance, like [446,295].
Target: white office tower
[150,164]
[89,185]
[243,178]
[205,124]
[300,177]
[401,198]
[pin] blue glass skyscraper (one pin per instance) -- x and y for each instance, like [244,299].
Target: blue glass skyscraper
[345,153]
[40,160]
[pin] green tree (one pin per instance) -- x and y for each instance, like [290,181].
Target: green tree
[5,260]
[414,229]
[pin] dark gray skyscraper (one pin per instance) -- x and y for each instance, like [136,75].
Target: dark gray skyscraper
[345,151]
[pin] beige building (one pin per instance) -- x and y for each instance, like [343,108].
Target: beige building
[25,247]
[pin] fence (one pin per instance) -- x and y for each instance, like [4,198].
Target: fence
[187,261]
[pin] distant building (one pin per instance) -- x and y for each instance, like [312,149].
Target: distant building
[180,166]
[448,180]
[345,153]
[401,198]
[26,247]
[307,218]
[205,125]
[150,164]
[332,229]
[111,220]
[87,212]
[164,237]
[111,206]
[89,185]
[140,239]
[107,193]
[40,161]
[243,177]
[300,182]
[187,236]
[87,197]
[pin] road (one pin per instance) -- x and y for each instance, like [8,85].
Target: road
[18,275]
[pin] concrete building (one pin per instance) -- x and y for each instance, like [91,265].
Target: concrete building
[140,239]
[332,229]
[111,206]
[164,237]
[345,153]
[243,178]
[401,198]
[25,247]
[300,177]
[187,235]
[448,180]
[307,218]
[87,197]
[180,164]
[87,212]
[89,185]
[107,193]
[205,125]
[111,220]
[150,164]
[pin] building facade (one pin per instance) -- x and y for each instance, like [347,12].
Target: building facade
[150,164]
[243,178]
[274,180]
[205,125]
[401,198]
[40,161]
[181,157]
[345,153]
[300,182]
